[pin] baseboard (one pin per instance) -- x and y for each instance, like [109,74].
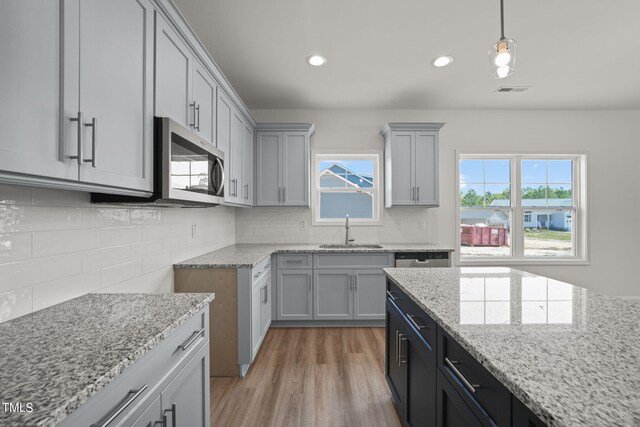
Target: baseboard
[327,323]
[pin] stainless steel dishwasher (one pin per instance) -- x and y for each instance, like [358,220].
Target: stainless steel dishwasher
[422,259]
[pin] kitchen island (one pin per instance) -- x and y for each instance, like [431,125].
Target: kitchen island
[80,362]
[567,355]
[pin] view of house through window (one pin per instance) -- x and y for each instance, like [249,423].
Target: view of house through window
[346,186]
[539,218]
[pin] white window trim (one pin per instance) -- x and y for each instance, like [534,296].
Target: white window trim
[317,156]
[580,217]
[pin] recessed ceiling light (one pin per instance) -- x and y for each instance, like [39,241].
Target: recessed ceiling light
[316,60]
[442,61]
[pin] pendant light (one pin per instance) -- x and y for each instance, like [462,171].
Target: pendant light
[503,53]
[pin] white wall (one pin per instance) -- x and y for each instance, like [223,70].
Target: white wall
[55,245]
[612,139]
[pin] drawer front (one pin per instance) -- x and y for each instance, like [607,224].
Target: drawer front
[484,394]
[130,391]
[355,261]
[420,323]
[295,261]
[261,268]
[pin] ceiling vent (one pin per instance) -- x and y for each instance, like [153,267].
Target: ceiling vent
[512,89]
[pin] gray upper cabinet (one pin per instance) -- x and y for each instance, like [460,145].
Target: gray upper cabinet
[63,70]
[185,89]
[205,100]
[247,164]
[411,164]
[116,101]
[283,164]
[30,48]
[232,133]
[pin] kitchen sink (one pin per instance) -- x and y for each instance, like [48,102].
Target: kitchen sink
[352,246]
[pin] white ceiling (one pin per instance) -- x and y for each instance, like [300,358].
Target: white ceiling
[575,54]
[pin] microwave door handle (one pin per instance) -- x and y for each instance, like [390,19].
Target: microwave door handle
[219,185]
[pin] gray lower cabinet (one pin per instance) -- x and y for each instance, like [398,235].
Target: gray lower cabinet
[170,383]
[369,294]
[333,294]
[186,398]
[411,164]
[283,164]
[295,295]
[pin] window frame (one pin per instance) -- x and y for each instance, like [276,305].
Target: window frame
[322,155]
[579,214]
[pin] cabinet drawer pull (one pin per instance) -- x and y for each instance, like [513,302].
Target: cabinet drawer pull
[125,404]
[255,276]
[193,338]
[391,296]
[412,319]
[451,364]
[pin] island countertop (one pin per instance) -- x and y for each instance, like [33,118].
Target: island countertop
[570,354]
[248,255]
[58,357]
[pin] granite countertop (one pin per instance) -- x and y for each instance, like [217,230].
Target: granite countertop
[570,354]
[245,255]
[57,358]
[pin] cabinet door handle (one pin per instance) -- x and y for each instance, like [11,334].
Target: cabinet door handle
[193,124]
[284,194]
[246,187]
[173,415]
[198,115]
[309,280]
[78,120]
[401,359]
[451,364]
[125,404]
[355,282]
[195,336]
[412,319]
[94,132]
[418,196]
[391,296]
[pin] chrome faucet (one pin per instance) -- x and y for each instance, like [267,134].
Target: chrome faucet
[346,233]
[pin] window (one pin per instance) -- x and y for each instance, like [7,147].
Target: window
[495,190]
[346,184]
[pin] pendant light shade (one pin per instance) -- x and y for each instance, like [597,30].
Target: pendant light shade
[502,54]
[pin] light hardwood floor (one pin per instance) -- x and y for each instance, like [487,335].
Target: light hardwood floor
[309,377]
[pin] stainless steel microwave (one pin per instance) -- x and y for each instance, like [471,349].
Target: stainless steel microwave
[188,171]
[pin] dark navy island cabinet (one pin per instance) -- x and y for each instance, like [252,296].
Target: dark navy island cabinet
[435,382]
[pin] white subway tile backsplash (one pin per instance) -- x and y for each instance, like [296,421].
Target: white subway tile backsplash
[15,304]
[55,245]
[15,195]
[120,272]
[114,236]
[105,217]
[46,243]
[15,247]
[56,291]
[16,275]
[106,257]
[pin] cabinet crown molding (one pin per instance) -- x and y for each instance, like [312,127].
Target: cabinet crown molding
[286,127]
[388,127]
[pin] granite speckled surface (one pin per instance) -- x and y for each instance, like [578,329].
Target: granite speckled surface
[570,354]
[245,255]
[57,358]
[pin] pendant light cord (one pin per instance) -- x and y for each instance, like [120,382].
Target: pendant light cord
[501,19]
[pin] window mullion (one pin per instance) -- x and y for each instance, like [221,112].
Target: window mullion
[517,220]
